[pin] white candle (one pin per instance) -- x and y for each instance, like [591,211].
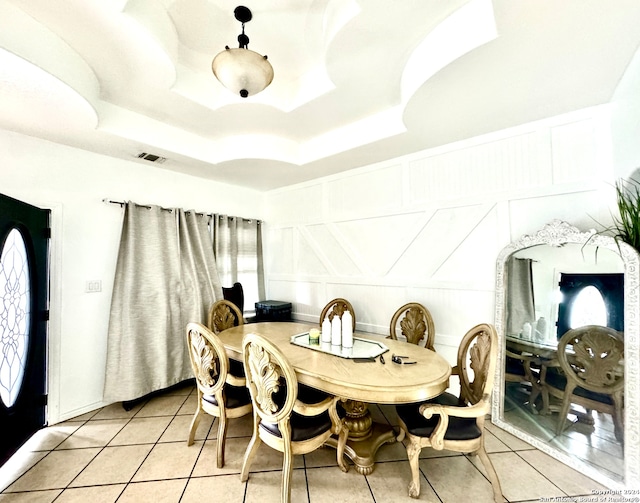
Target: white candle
[336,331]
[347,330]
[326,330]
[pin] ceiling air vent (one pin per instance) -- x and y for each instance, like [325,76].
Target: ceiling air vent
[151,158]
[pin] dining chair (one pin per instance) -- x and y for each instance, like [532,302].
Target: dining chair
[223,314]
[280,420]
[456,423]
[337,307]
[220,393]
[524,369]
[589,371]
[414,322]
[234,294]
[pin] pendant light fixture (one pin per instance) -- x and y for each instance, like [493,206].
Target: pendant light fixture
[240,70]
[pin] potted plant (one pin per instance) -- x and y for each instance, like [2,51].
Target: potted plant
[626,225]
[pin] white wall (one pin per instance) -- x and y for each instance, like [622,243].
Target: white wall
[428,227]
[85,238]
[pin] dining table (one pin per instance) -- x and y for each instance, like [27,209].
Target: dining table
[358,382]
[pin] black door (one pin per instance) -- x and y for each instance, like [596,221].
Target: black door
[24,241]
[610,286]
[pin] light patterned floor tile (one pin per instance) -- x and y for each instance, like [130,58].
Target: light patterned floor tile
[18,465]
[236,428]
[94,434]
[178,429]
[169,461]
[390,482]
[157,491]
[201,489]
[507,438]
[113,465]
[325,456]
[55,471]
[162,406]
[454,479]
[566,478]
[266,486]
[50,438]
[512,470]
[142,430]
[30,497]
[189,406]
[95,494]
[266,459]
[117,411]
[331,485]
[134,468]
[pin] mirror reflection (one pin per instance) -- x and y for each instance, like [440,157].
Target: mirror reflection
[565,303]
[553,290]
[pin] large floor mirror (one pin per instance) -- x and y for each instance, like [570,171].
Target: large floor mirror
[563,281]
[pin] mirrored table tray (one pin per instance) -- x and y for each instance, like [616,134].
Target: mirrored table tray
[362,348]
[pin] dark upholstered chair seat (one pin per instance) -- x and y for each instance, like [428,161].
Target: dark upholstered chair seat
[236,396]
[236,368]
[458,429]
[514,366]
[559,381]
[302,427]
[307,394]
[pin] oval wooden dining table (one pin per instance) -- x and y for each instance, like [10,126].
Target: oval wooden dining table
[357,384]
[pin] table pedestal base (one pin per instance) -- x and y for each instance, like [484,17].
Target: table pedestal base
[365,436]
[363,452]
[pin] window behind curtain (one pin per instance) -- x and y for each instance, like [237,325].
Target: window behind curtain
[237,244]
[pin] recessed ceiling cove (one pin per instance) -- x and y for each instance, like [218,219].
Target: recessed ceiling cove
[355,81]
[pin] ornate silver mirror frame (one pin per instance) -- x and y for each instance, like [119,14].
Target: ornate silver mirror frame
[556,234]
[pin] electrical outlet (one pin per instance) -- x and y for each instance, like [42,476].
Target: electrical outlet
[93,286]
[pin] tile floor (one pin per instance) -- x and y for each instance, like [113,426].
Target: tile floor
[141,455]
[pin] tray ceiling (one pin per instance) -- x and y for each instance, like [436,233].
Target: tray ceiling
[356,81]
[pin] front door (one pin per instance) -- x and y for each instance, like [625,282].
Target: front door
[24,241]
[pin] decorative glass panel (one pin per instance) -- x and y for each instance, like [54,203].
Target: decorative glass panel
[588,308]
[15,302]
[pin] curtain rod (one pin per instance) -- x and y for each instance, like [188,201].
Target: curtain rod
[212,215]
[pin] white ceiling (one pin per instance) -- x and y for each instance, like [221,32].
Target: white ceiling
[356,81]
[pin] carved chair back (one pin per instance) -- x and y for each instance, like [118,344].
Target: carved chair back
[596,361]
[415,322]
[271,380]
[208,360]
[223,314]
[337,307]
[477,357]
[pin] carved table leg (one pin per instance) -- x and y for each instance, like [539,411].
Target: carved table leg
[365,436]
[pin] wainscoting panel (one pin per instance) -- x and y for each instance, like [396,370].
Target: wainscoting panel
[428,227]
[508,164]
[574,156]
[380,191]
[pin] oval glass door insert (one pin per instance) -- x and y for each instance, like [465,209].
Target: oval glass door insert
[15,303]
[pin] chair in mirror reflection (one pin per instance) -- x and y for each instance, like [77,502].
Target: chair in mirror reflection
[337,307]
[589,372]
[281,420]
[522,370]
[415,323]
[220,393]
[547,283]
[456,423]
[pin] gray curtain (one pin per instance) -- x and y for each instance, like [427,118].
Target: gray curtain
[166,276]
[521,303]
[237,244]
